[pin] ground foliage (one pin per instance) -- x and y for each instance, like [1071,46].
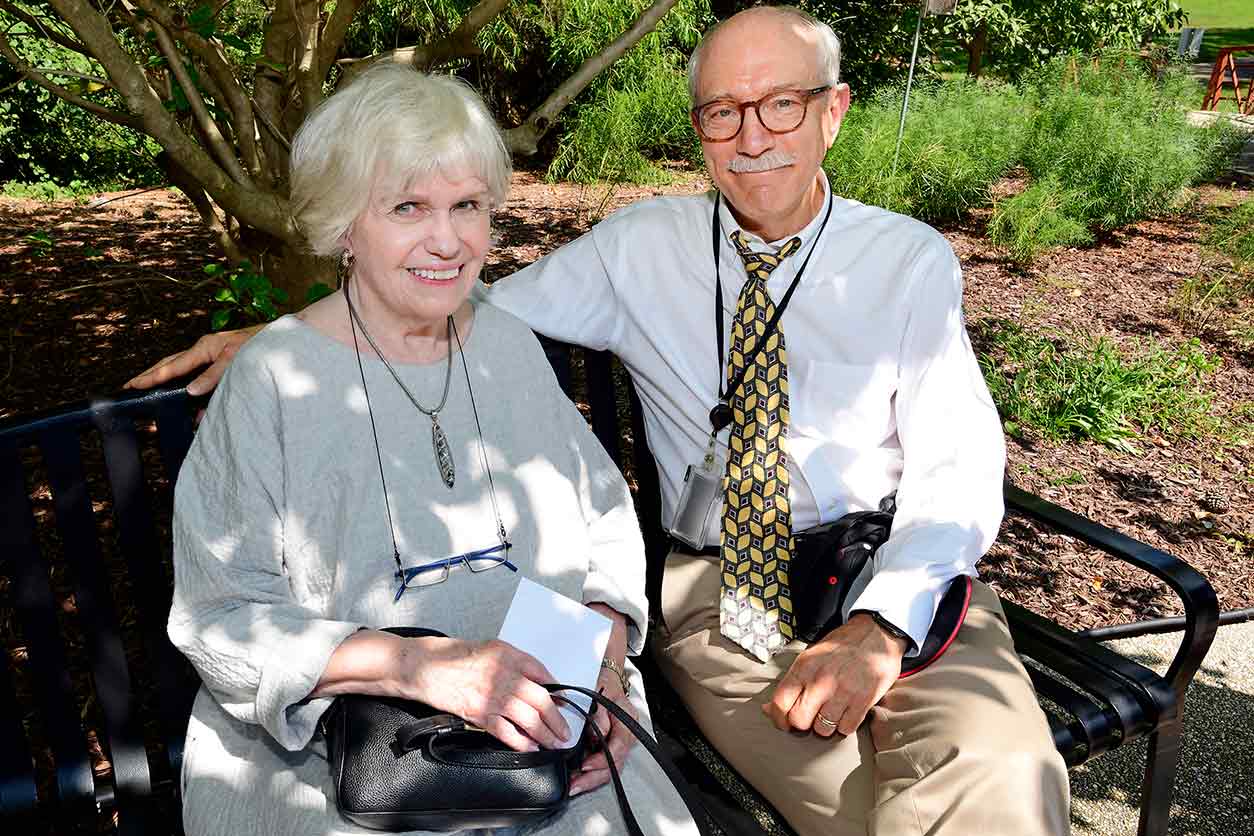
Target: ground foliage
[1105,139]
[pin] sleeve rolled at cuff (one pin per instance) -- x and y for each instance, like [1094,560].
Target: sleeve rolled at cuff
[291,672]
[601,588]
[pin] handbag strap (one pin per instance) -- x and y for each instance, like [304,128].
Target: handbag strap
[410,737]
[695,808]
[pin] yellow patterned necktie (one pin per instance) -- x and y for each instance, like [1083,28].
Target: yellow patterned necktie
[755,609]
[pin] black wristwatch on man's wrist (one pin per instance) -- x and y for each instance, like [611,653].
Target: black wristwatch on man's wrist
[888,627]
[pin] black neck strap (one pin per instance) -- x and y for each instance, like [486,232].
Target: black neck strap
[720,415]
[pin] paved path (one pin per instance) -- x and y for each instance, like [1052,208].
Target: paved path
[1244,163]
[1215,785]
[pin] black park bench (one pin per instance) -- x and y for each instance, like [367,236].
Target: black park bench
[94,700]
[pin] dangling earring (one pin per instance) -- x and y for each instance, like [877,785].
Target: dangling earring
[343,269]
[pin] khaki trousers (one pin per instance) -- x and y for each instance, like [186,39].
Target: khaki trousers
[960,747]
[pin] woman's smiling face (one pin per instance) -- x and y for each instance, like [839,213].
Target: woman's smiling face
[418,250]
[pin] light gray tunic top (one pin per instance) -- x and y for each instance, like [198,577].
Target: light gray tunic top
[282,545]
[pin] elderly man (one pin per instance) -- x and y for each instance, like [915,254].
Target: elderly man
[870,387]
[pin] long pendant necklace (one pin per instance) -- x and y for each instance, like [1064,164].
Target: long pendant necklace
[439,441]
[401,574]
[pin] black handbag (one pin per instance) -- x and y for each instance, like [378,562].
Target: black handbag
[828,558]
[400,765]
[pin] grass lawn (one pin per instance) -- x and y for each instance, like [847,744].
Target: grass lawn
[1227,22]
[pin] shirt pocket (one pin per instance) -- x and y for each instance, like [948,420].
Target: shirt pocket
[846,404]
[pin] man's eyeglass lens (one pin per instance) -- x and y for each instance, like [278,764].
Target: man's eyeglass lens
[779,113]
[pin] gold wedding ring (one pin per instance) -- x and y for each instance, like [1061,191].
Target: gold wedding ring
[824,721]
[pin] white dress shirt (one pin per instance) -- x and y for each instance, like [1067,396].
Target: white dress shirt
[885,391]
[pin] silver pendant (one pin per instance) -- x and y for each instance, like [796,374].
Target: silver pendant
[443,455]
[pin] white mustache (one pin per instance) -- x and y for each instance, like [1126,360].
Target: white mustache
[766,162]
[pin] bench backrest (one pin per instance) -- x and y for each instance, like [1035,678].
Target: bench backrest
[94,705]
[69,543]
[94,702]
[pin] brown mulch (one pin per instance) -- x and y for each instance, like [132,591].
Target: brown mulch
[121,284]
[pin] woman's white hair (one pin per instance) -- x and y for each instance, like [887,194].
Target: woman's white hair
[389,128]
[828,58]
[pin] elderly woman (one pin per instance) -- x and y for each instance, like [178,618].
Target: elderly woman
[394,455]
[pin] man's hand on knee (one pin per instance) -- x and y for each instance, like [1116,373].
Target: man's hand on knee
[835,681]
[212,350]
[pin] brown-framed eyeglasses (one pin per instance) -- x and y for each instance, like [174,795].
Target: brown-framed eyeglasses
[779,112]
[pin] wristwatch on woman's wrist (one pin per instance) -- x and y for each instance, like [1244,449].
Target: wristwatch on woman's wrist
[611,665]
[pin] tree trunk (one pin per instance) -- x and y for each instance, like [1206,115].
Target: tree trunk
[975,50]
[292,268]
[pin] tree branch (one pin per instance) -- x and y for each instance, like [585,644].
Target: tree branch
[307,62]
[525,138]
[264,211]
[43,29]
[334,32]
[195,193]
[275,133]
[104,82]
[6,51]
[229,91]
[460,43]
[213,134]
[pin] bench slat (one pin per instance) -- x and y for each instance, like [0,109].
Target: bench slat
[172,677]
[17,774]
[648,502]
[175,428]
[36,607]
[603,399]
[1134,708]
[77,524]
[1091,731]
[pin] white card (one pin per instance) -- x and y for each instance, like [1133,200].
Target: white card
[568,638]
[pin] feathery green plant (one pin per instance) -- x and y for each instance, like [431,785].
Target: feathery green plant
[961,137]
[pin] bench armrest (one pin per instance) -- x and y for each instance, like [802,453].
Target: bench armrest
[1201,607]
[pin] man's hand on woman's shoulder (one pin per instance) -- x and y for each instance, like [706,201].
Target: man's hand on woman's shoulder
[212,350]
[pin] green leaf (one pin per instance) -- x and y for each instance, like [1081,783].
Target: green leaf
[221,318]
[277,66]
[224,295]
[267,308]
[200,21]
[212,269]
[234,40]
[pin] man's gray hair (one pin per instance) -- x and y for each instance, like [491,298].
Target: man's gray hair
[828,45]
[391,127]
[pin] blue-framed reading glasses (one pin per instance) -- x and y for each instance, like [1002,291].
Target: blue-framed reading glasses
[436,572]
[779,112]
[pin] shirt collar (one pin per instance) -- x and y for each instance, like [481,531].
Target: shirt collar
[729,224]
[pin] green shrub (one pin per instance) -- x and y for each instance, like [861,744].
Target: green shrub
[619,135]
[46,190]
[961,137]
[1107,145]
[246,296]
[636,113]
[1232,235]
[1047,214]
[1083,387]
[44,139]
